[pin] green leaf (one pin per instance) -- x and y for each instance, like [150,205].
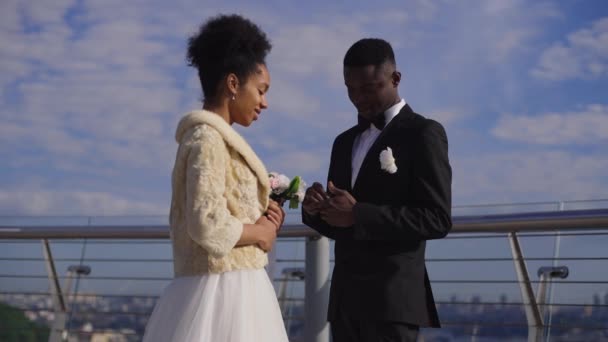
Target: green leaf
[293,203]
[294,185]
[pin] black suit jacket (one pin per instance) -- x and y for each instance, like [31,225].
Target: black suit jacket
[379,271]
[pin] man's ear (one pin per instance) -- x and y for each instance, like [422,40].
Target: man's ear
[396,78]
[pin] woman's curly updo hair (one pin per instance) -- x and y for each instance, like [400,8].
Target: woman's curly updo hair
[226,44]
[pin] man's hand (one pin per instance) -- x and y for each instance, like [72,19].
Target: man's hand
[338,210]
[314,199]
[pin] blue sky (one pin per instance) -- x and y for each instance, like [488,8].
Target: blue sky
[91,92]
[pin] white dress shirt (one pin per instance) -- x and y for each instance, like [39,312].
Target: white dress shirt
[365,140]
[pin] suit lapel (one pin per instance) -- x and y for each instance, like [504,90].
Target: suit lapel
[342,176]
[371,161]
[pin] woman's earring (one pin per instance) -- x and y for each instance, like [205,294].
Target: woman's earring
[233,97]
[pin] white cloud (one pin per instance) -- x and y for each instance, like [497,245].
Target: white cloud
[584,55]
[8,19]
[311,49]
[529,175]
[510,42]
[317,46]
[448,116]
[425,10]
[494,7]
[102,92]
[490,34]
[78,203]
[46,13]
[101,95]
[589,126]
[311,165]
[559,62]
[12,69]
[536,9]
[290,100]
[306,53]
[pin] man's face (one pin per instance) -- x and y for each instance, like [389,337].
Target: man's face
[372,89]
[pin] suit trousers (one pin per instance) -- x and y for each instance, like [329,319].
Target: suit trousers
[347,329]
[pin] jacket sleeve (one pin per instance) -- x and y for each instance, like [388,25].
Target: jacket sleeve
[315,222]
[428,216]
[208,220]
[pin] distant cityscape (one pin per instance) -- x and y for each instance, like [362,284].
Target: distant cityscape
[123,318]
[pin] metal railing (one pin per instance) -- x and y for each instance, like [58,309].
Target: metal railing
[538,306]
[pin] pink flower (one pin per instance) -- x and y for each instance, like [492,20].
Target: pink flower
[274,183]
[278,182]
[283,189]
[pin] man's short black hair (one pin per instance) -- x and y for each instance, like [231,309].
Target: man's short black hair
[369,51]
[226,44]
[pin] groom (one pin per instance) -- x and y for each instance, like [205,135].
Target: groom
[389,190]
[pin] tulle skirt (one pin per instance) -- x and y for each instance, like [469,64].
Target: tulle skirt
[234,306]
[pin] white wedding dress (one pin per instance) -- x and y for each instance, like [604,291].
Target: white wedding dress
[237,306]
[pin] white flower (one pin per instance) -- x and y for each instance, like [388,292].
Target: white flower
[387,161]
[278,182]
[283,182]
[301,191]
[300,196]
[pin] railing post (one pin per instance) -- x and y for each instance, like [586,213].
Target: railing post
[546,275]
[541,293]
[288,274]
[533,316]
[316,328]
[272,263]
[556,249]
[59,305]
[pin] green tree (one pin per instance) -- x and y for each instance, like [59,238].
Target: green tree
[15,327]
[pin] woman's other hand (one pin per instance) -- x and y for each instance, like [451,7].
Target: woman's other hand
[266,233]
[276,214]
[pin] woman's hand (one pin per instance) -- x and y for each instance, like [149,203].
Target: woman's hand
[266,233]
[276,214]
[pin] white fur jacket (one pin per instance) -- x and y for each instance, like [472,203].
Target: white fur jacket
[219,184]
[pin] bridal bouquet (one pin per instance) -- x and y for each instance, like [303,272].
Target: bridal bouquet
[283,189]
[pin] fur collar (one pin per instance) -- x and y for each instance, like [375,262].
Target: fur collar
[232,138]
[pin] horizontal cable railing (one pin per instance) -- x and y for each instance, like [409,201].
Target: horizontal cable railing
[500,223]
[574,224]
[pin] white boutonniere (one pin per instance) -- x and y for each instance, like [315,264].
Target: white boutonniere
[387,161]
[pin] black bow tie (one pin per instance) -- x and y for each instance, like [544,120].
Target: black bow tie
[379,121]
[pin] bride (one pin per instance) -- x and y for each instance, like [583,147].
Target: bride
[222,220]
